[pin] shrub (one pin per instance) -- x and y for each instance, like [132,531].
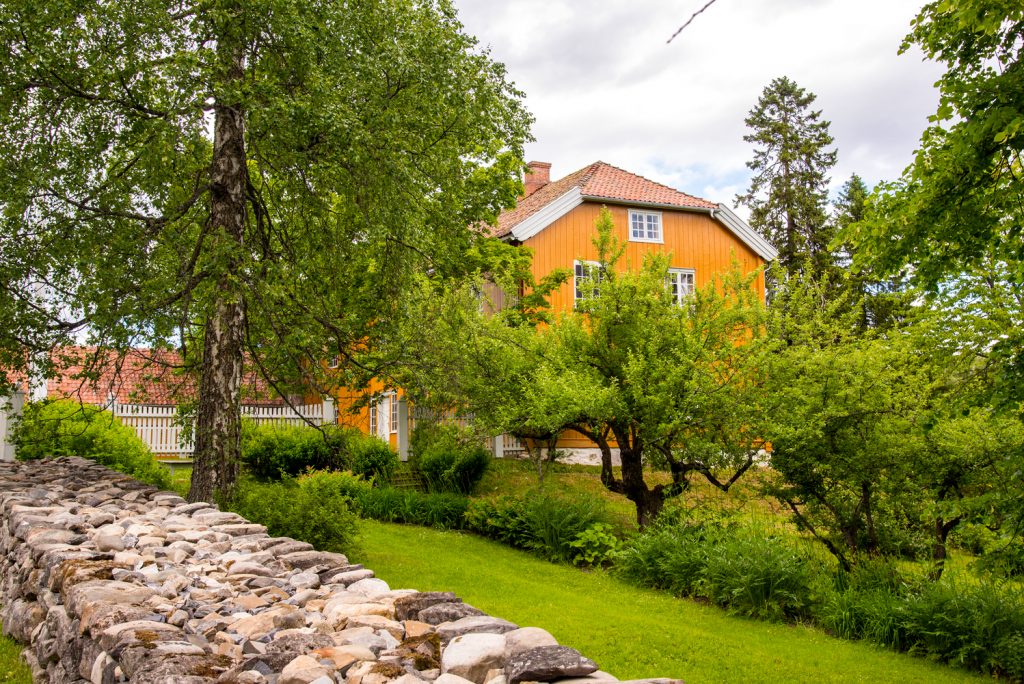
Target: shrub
[445,511]
[874,573]
[744,569]
[372,458]
[449,459]
[758,575]
[314,508]
[424,433]
[64,427]
[976,626]
[596,545]
[671,554]
[274,450]
[502,519]
[545,524]
[971,626]
[556,522]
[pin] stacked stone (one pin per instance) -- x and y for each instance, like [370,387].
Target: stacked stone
[108,580]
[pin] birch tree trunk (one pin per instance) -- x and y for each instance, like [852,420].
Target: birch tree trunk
[218,416]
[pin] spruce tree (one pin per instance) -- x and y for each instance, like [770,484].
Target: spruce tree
[884,300]
[788,192]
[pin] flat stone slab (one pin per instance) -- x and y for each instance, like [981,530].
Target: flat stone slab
[447,612]
[546,664]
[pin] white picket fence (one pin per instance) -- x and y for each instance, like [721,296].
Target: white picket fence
[158,426]
[501,446]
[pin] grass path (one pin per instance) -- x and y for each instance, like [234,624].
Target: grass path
[630,632]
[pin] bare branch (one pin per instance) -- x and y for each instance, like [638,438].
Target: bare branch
[690,21]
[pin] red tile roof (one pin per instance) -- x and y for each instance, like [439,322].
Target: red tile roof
[141,376]
[602,181]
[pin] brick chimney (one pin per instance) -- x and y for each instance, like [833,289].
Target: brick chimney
[538,175]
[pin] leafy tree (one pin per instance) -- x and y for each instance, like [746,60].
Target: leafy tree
[457,356]
[668,385]
[956,216]
[227,177]
[788,192]
[874,436]
[961,201]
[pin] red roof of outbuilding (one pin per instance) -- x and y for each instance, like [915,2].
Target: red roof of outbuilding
[139,376]
[601,181]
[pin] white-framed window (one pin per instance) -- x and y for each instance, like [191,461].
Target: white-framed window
[586,276]
[681,283]
[644,226]
[373,418]
[334,361]
[393,423]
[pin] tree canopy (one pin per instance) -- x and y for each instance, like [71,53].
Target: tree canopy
[954,221]
[961,201]
[229,178]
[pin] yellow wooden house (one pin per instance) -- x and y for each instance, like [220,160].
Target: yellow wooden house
[556,220]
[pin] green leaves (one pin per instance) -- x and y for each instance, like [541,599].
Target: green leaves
[672,385]
[377,137]
[959,202]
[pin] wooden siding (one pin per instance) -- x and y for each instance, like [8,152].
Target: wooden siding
[695,240]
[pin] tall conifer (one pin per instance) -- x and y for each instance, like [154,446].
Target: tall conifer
[792,159]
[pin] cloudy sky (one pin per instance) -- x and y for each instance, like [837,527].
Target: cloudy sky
[603,84]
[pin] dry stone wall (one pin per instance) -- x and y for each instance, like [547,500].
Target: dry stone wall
[108,580]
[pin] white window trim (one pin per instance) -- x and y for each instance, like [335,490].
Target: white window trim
[374,422]
[681,297]
[393,417]
[646,212]
[575,278]
[334,361]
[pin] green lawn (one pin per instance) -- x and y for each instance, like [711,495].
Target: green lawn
[12,670]
[630,632]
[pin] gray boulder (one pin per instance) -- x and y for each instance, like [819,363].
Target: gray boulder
[447,612]
[547,663]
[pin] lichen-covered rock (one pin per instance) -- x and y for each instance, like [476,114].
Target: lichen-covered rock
[409,607]
[525,638]
[474,624]
[447,612]
[547,663]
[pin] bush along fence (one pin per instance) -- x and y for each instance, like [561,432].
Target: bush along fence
[108,580]
[161,428]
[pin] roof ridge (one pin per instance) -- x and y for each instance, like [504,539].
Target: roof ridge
[653,182]
[585,173]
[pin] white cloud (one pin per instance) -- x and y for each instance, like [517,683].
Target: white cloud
[603,84]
